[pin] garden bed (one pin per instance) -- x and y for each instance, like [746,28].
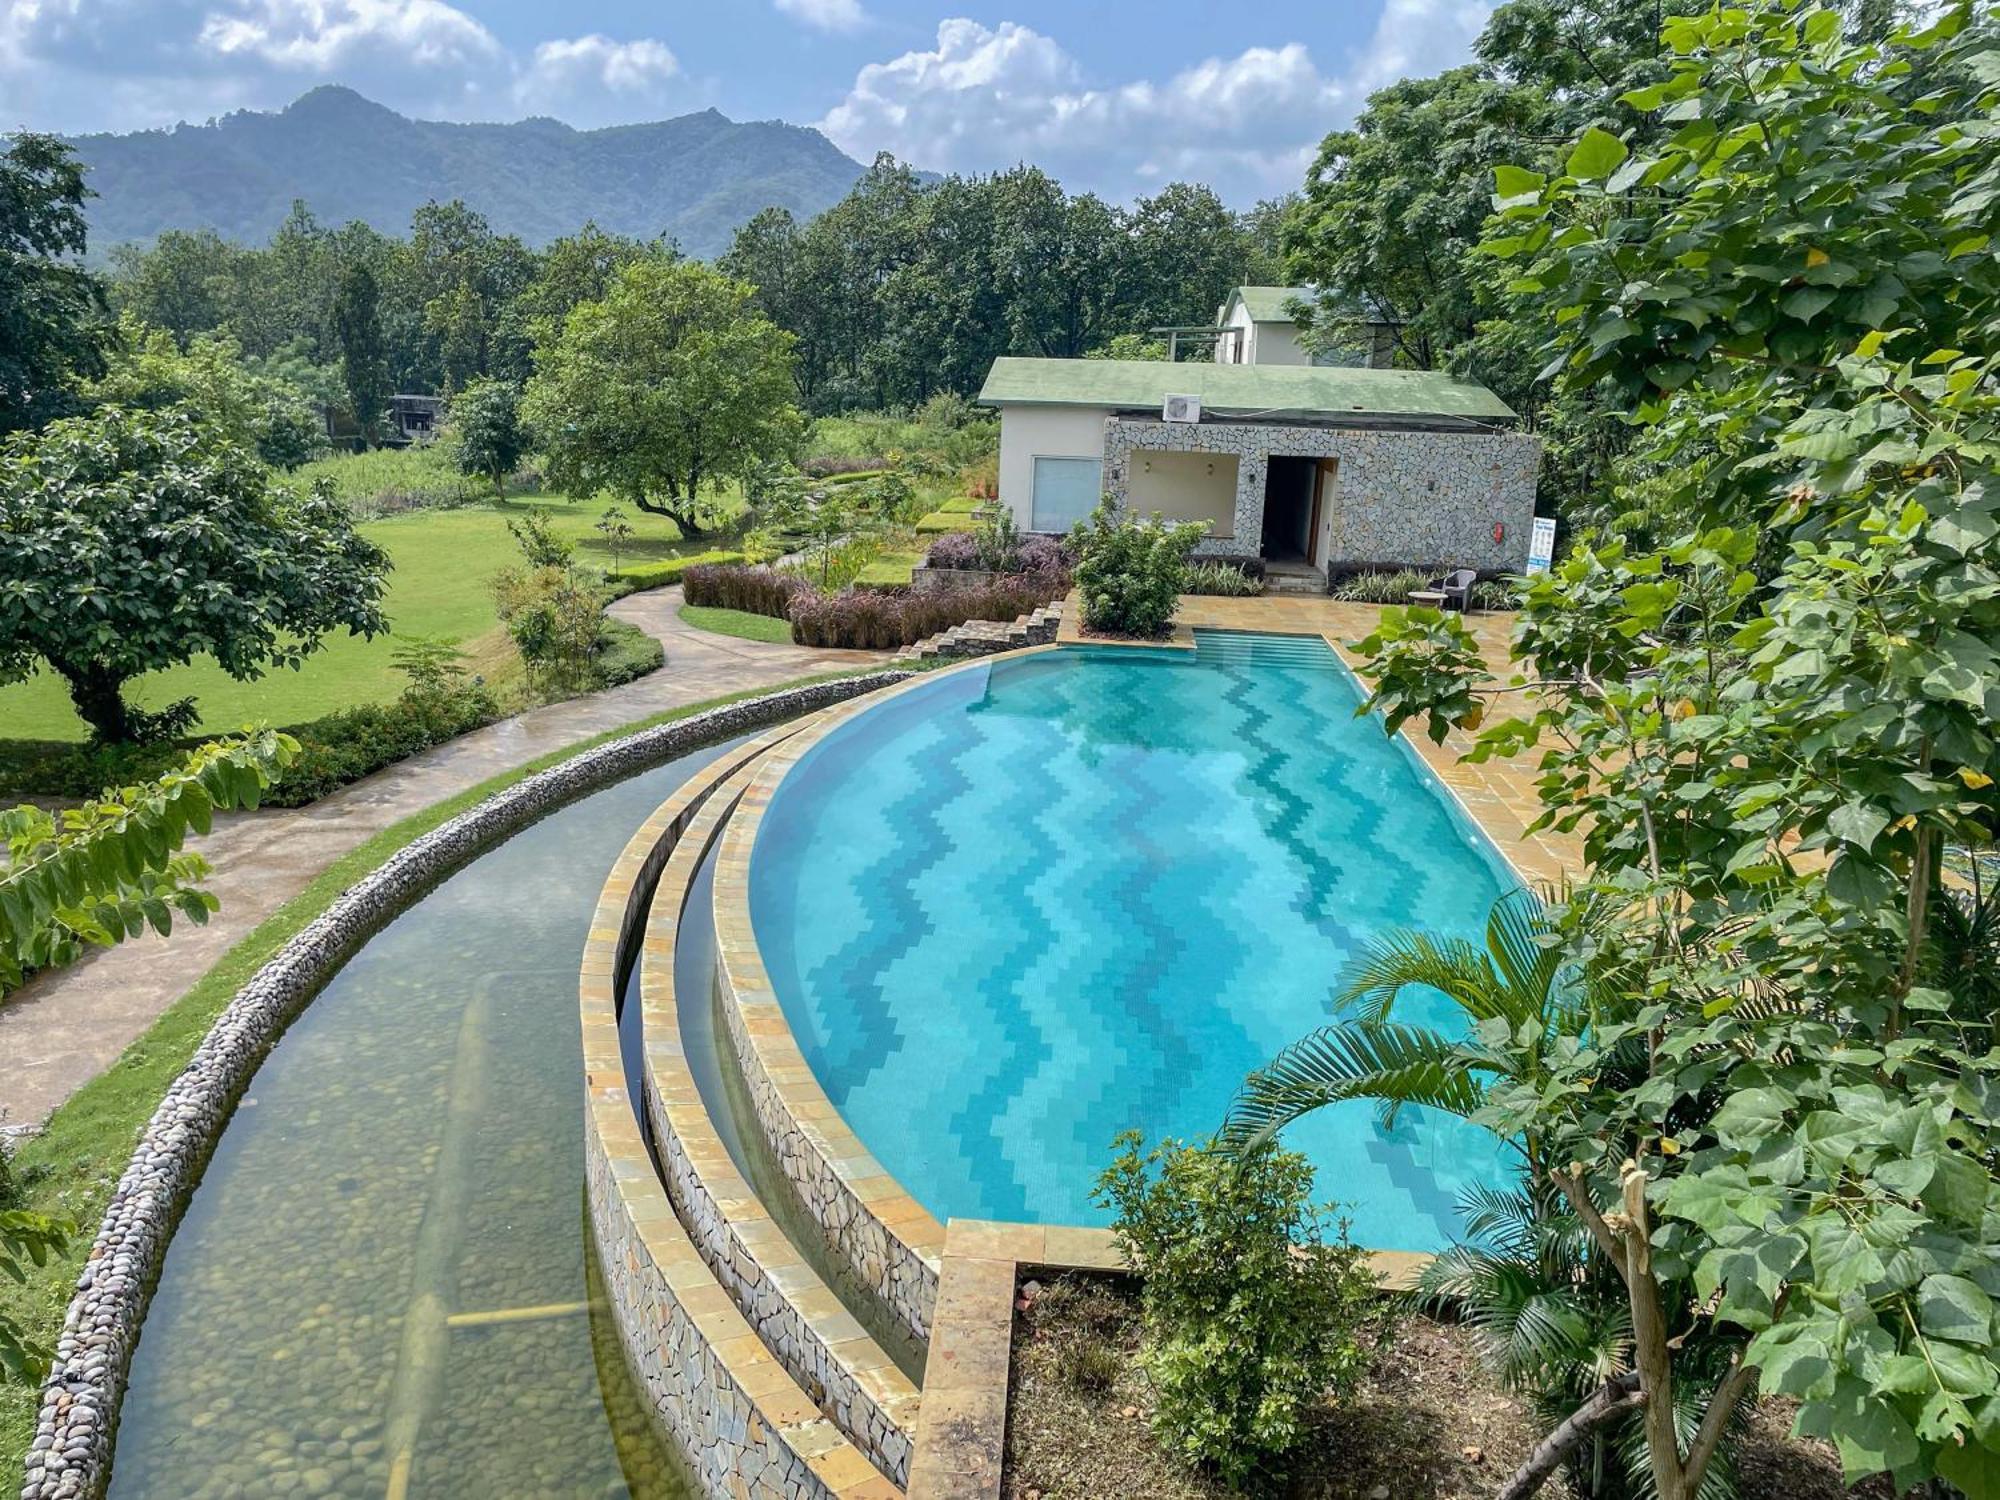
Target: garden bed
[1429,1423]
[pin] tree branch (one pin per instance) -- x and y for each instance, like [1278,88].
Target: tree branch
[1715,1421]
[1609,1402]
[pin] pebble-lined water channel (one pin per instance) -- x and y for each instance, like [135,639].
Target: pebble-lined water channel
[387,1256]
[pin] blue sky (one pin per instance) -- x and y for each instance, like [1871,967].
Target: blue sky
[1113,97]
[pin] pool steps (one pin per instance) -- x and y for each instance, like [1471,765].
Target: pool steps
[800,1319]
[746,1425]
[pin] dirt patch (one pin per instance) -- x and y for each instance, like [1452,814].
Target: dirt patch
[1428,1423]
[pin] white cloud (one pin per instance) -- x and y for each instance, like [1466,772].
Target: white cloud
[825,15]
[318,35]
[567,74]
[986,97]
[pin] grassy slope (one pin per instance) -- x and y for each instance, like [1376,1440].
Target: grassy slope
[73,1166]
[737,622]
[445,561]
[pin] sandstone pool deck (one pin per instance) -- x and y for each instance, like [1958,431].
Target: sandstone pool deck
[66,1026]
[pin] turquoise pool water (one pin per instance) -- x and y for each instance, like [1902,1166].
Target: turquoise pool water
[1023,907]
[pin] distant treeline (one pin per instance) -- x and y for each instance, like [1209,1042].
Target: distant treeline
[903,289]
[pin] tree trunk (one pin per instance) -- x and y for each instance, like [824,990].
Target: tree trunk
[683,517]
[1610,1401]
[94,690]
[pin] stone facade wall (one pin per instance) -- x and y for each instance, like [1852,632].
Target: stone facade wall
[795,1315]
[69,1456]
[734,1451]
[1417,499]
[883,1260]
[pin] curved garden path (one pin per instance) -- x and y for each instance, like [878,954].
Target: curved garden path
[68,1025]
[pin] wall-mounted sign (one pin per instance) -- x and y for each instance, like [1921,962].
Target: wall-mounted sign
[1542,545]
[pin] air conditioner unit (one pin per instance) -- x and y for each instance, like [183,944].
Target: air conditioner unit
[1181,409]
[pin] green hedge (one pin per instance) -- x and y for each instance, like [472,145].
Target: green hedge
[657,575]
[626,652]
[947,520]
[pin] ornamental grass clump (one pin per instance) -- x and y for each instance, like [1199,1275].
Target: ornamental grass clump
[1254,1315]
[757,591]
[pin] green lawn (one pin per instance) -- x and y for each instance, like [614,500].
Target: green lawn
[737,622]
[445,561]
[890,569]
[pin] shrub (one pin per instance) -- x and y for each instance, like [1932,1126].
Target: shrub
[625,652]
[1220,578]
[827,465]
[1252,1317]
[555,616]
[346,746]
[1494,593]
[1381,587]
[1032,554]
[657,575]
[1129,570]
[757,591]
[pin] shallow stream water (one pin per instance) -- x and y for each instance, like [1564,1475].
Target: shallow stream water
[410,1153]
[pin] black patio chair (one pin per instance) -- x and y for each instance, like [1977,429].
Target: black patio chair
[1456,586]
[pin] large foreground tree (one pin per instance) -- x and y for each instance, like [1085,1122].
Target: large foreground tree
[132,541]
[670,385]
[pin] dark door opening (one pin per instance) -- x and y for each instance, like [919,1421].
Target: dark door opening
[1288,508]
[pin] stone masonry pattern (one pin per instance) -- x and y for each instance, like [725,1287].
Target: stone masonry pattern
[1415,499]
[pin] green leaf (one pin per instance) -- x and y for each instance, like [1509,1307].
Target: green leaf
[1596,155]
[1950,1307]
[1857,823]
[1516,182]
[1750,1115]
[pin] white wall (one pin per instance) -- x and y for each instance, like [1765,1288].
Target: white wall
[1031,432]
[1241,350]
[1185,487]
[1278,344]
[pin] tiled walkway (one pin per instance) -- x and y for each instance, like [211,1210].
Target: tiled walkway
[70,1024]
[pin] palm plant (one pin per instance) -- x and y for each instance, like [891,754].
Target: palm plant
[1521,995]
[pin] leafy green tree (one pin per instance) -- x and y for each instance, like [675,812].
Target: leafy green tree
[51,310]
[132,541]
[267,413]
[815,518]
[1769,728]
[100,873]
[669,386]
[364,360]
[26,1239]
[486,434]
[184,282]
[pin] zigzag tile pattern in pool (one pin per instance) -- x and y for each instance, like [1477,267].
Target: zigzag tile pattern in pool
[1022,907]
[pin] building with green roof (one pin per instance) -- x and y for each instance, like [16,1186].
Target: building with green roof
[1316,469]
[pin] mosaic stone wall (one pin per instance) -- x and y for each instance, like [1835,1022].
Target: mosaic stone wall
[1415,499]
[713,1422]
[69,1457]
[905,1280]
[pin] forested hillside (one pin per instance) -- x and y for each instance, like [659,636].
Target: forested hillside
[693,179]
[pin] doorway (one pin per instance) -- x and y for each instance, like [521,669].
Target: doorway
[1290,489]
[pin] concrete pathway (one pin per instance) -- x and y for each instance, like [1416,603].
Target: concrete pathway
[68,1025]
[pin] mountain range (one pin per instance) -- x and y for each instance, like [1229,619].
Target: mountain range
[693,178]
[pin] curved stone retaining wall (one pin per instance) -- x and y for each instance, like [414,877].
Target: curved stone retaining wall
[69,1457]
[748,1429]
[893,1243]
[800,1319]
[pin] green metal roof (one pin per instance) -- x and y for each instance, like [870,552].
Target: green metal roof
[1309,391]
[1266,304]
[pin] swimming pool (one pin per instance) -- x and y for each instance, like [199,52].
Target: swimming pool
[1024,906]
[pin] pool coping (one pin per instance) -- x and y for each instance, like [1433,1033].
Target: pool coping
[727,1402]
[800,1319]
